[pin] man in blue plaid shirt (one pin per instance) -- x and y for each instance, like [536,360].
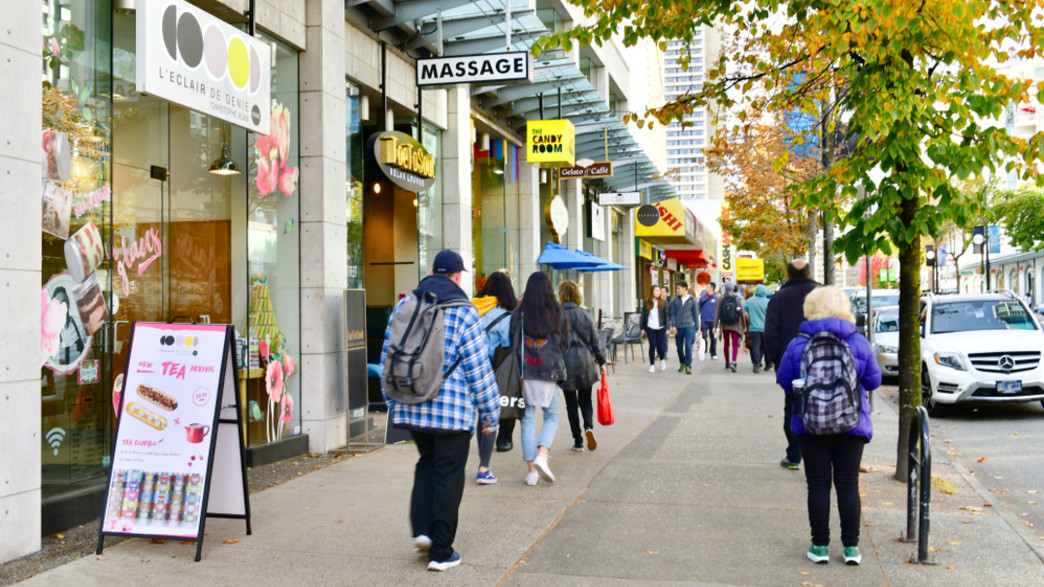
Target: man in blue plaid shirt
[442,427]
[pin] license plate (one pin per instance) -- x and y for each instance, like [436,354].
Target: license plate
[1009,387]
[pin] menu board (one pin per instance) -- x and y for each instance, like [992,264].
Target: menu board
[172,410]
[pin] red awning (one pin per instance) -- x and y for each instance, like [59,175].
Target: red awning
[688,257]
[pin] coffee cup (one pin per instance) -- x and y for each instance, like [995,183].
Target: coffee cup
[196,432]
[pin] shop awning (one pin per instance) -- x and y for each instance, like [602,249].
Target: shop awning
[603,264]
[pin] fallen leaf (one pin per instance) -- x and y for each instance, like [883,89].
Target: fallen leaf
[193,542]
[970,508]
[949,567]
[933,434]
[805,573]
[149,576]
[232,541]
[652,552]
[1026,522]
[1014,433]
[887,503]
[967,522]
[934,549]
[295,463]
[1032,491]
[58,536]
[1029,502]
[954,543]
[987,505]
[158,541]
[771,416]
[144,560]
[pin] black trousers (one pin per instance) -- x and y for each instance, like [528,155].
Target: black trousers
[438,483]
[833,457]
[709,340]
[793,449]
[757,348]
[581,399]
[657,344]
[507,429]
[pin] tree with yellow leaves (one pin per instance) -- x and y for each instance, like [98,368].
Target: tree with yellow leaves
[924,90]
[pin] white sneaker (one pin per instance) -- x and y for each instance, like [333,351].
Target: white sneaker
[541,466]
[422,543]
[663,365]
[531,478]
[652,368]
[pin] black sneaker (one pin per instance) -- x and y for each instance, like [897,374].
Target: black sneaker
[505,446]
[732,367]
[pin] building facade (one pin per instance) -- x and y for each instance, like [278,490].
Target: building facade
[158,209]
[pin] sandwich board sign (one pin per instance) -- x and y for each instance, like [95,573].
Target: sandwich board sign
[178,455]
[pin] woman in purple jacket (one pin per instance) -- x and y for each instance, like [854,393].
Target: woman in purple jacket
[835,456]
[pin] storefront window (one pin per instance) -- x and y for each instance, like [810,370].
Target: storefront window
[354,186]
[495,206]
[429,207]
[77,219]
[273,257]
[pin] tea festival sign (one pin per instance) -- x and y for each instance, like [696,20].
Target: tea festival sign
[188,57]
[178,454]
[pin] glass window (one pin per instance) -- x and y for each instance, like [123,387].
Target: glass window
[429,207]
[980,315]
[354,186]
[76,129]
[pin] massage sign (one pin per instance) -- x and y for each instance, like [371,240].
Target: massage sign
[177,457]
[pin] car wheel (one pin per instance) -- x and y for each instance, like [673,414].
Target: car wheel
[928,398]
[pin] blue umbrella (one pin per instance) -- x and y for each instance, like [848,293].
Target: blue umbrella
[600,264]
[559,257]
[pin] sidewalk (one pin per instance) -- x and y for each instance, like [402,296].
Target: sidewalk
[685,487]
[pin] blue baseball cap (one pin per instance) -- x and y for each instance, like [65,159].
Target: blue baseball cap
[447,262]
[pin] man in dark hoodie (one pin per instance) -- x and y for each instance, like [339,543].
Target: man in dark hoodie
[783,318]
[442,426]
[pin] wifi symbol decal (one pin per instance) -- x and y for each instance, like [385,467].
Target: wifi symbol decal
[54,437]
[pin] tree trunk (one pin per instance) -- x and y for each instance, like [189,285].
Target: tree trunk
[810,231]
[828,256]
[911,259]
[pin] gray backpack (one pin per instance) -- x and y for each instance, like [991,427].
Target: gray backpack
[416,346]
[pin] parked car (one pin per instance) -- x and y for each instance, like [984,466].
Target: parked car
[886,340]
[982,348]
[881,298]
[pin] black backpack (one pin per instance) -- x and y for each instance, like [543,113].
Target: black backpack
[831,402]
[730,312]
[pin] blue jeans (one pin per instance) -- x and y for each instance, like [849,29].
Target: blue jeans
[547,432]
[684,339]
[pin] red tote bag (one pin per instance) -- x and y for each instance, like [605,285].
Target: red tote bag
[605,404]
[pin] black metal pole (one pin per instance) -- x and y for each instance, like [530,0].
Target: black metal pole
[541,102]
[251,22]
[420,114]
[560,103]
[384,86]
[986,243]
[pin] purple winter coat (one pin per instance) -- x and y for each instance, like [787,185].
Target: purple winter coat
[866,368]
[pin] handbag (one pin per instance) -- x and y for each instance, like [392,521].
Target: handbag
[605,404]
[509,379]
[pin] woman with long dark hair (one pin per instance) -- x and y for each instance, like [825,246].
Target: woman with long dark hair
[585,365]
[541,326]
[654,323]
[494,303]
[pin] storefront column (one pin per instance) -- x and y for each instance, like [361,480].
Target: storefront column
[529,217]
[20,278]
[627,283]
[456,178]
[324,245]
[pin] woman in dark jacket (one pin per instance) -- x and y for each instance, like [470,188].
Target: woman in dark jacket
[584,362]
[541,326]
[835,456]
[654,323]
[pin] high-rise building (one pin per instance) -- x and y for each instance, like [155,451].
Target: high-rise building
[686,162]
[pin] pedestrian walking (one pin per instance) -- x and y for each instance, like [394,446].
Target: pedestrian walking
[684,319]
[442,426]
[494,304]
[584,363]
[755,308]
[831,457]
[654,323]
[708,308]
[783,317]
[731,322]
[543,328]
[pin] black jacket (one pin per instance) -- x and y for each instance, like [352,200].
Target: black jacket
[661,309]
[785,314]
[546,361]
[585,349]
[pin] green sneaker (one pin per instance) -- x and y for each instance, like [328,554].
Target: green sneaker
[820,554]
[852,555]
[688,369]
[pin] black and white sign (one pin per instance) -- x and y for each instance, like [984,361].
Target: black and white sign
[516,66]
[178,454]
[620,199]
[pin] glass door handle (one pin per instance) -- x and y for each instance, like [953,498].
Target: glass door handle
[116,344]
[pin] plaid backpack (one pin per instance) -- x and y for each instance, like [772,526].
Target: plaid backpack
[831,401]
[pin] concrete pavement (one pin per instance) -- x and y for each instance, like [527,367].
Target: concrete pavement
[686,487]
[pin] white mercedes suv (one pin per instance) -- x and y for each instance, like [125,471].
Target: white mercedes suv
[979,349]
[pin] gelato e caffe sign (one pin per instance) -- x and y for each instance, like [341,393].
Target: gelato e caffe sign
[190,58]
[404,161]
[551,143]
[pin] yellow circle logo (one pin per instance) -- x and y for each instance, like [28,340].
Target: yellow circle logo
[238,62]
